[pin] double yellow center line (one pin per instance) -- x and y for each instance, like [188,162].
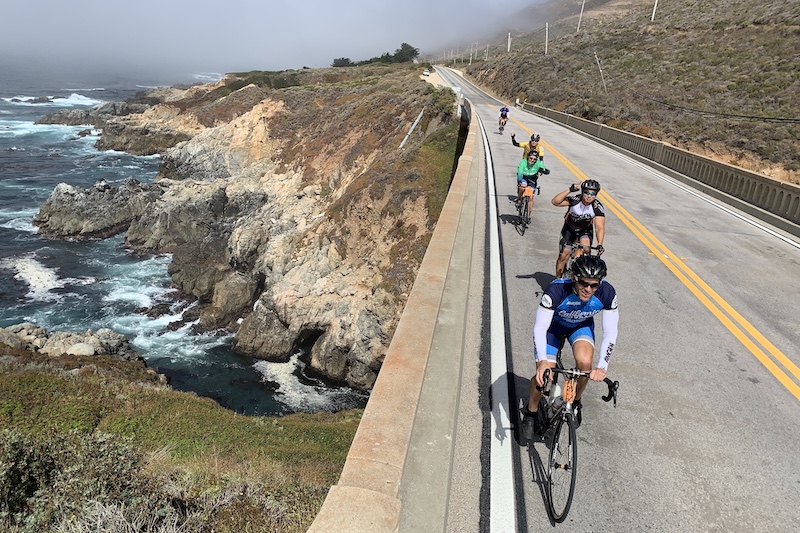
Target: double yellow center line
[769,356]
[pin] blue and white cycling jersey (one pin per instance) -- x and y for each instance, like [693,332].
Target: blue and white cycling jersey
[563,314]
[569,310]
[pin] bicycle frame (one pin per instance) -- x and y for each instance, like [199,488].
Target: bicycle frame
[573,254]
[571,375]
[563,457]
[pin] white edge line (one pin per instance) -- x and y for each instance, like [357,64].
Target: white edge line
[502,504]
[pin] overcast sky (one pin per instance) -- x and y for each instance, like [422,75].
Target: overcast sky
[235,35]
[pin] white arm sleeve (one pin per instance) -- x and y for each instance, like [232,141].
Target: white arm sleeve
[610,322]
[543,319]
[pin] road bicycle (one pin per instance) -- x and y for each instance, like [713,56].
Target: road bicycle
[573,254]
[523,208]
[556,405]
[524,205]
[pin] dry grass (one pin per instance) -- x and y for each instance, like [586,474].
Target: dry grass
[716,78]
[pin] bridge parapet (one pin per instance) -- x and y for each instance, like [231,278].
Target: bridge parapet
[368,495]
[771,200]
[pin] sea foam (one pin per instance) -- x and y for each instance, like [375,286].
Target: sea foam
[40,279]
[72,100]
[298,395]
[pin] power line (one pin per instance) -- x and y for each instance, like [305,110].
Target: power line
[781,120]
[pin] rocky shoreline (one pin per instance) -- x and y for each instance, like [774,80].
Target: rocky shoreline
[291,223]
[29,337]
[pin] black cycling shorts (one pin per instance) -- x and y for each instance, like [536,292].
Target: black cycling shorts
[569,235]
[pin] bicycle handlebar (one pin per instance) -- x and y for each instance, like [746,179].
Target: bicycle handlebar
[579,245]
[613,386]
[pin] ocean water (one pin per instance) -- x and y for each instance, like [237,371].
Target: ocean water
[75,286]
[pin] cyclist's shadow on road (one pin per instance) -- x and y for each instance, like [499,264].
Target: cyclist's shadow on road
[508,218]
[542,278]
[538,471]
[537,447]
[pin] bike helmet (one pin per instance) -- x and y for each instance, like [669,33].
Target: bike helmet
[535,138]
[590,185]
[589,266]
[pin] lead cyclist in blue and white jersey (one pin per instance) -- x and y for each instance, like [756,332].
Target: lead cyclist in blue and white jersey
[567,309]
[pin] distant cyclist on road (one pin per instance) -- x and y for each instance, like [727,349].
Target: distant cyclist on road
[528,146]
[527,176]
[504,111]
[585,213]
[567,309]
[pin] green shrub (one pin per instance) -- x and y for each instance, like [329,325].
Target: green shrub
[45,480]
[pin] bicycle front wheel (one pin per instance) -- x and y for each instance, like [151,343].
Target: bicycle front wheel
[562,467]
[523,211]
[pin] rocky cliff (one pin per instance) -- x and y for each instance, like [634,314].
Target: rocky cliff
[291,212]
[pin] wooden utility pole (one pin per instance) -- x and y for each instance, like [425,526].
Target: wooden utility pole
[601,72]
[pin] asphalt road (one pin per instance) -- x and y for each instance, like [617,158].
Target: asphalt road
[705,433]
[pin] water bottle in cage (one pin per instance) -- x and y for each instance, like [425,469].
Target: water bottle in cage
[556,399]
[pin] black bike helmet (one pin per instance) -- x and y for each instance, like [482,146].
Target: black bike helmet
[535,137]
[589,266]
[590,185]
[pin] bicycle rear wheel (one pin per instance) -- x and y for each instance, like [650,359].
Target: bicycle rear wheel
[562,468]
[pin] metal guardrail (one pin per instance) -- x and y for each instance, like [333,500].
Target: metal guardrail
[774,201]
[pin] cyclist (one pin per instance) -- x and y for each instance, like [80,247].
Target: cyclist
[567,309]
[527,146]
[528,172]
[585,214]
[504,111]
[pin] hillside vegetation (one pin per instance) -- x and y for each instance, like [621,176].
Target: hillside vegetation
[84,448]
[719,78]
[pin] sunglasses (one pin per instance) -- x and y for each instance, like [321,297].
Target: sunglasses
[590,193]
[585,283]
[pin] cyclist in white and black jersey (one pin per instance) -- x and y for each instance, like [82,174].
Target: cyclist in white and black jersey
[585,216]
[567,310]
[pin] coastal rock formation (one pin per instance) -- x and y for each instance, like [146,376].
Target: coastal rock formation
[96,116]
[97,212]
[146,137]
[292,216]
[28,336]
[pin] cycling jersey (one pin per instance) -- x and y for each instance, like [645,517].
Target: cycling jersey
[504,111]
[580,216]
[562,313]
[529,173]
[526,149]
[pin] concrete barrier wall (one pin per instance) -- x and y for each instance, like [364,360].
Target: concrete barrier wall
[367,496]
[775,197]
